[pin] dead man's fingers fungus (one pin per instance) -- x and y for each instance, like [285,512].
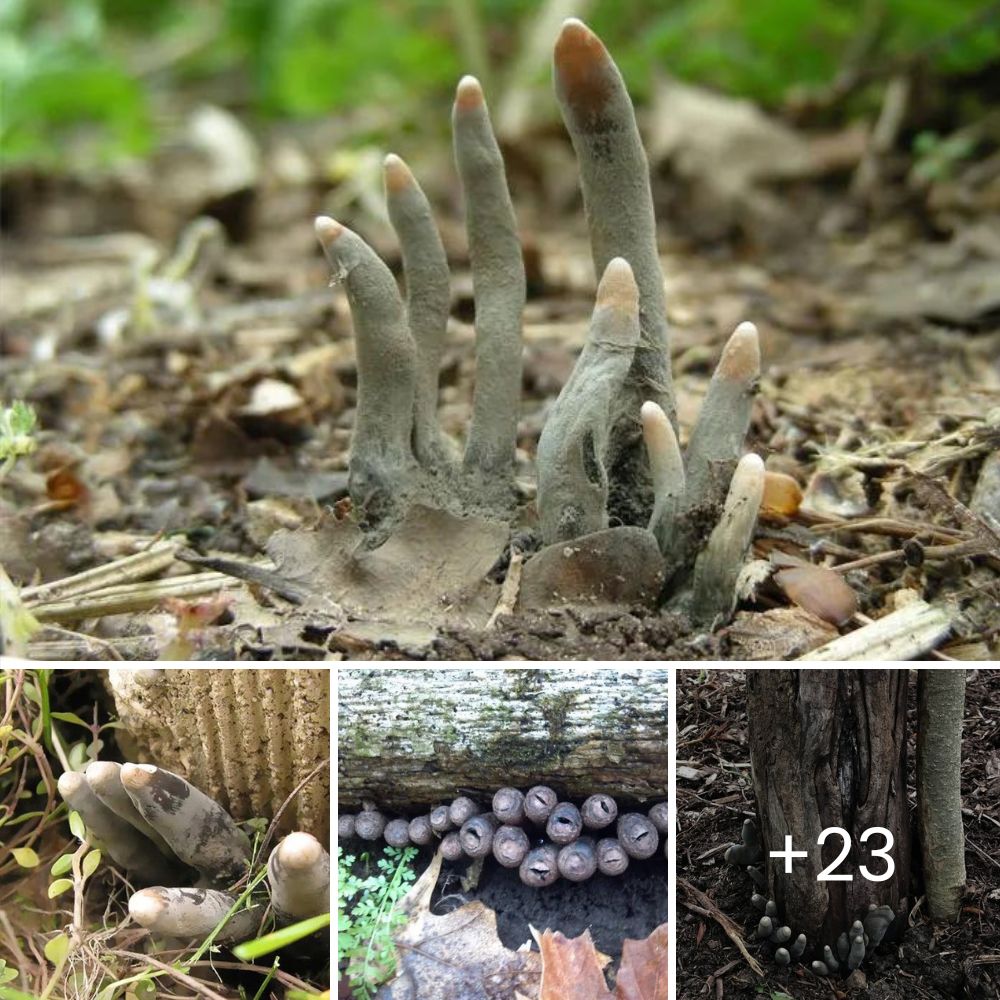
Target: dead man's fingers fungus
[191,914]
[573,450]
[199,831]
[298,872]
[498,285]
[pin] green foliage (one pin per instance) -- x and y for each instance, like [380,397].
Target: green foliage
[937,156]
[57,75]
[17,427]
[763,49]
[81,77]
[367,915]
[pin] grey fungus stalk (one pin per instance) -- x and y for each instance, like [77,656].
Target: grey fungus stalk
[428,300]
[199,831]
[573,450]
[190,914]
[298,873]
[380,448]
[618,201]
[498,285]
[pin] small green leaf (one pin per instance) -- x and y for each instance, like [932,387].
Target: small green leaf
[57,949]
[70,717]
[60,886]
[61,865]
[6,975]
[76,825]
[26,857]
[90,863]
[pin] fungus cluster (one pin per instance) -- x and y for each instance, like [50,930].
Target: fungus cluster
[608,458]
[848,951]
[187,850]
[533,831]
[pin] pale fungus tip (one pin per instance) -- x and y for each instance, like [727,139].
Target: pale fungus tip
[578,50]
[652,413]
[146,906]
[101,774]
[468,94]
[397,173]
[299,850]
[69,782]
[137,775]
[617,287]
[741,356]
[327,229]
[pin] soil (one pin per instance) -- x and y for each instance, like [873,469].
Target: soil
[930,962]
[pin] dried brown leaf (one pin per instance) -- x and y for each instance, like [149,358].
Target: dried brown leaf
[643,971]
[571,968]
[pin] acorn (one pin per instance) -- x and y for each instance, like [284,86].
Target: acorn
[565,823]
[539,803]
[598,811]
[510,846]
[578,861]
[477,835]
[462,809]
[421,831]
[397,833]
[612,858]
[508,806]
[638,836]
[369,824]
[540,867]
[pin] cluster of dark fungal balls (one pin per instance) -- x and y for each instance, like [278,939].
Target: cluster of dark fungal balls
[848,951]
[463,828]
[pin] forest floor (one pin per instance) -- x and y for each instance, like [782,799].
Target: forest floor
[205,401]
[714,794]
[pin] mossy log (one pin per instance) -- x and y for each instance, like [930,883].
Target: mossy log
[409,739]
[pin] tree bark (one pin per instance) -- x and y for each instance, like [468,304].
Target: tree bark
[828,749]
[409,739]
[940,711]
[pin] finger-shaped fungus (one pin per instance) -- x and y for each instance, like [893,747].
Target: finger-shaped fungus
[428,299]
[667,471]
[121,841]
[498,285]
[718,565]
[192,913]
[386,362]
[573,448]
[614,178]
[199,831]
[104,778]
[298,872]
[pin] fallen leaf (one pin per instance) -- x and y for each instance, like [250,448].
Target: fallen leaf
[432,570]
[458,954]
[572,969]
[643,971]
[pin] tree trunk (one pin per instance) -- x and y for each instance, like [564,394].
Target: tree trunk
[828,749]
[940,711]
[413,738]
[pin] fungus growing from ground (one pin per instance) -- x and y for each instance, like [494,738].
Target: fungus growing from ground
[161,829]
[611,477]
